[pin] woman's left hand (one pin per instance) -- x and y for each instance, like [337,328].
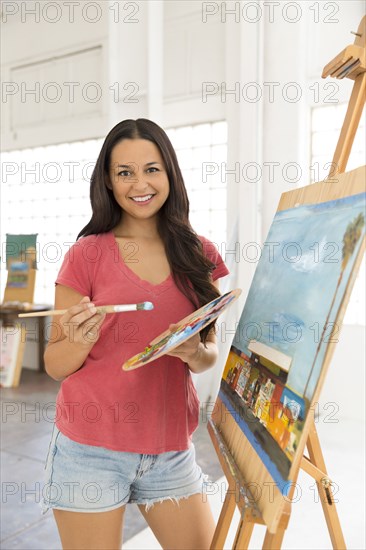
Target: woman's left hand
[189,350]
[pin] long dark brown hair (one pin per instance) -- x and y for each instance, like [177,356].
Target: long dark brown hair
[190,267]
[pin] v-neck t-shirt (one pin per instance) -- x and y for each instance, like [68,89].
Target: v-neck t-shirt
[149,410]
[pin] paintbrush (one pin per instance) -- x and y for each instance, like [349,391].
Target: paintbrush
[143,306]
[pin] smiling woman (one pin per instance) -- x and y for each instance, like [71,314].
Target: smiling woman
[144,249]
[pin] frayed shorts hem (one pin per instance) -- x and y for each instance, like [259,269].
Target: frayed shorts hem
[46,508]
[150,503]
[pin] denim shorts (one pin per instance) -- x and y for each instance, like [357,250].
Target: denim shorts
[86,478]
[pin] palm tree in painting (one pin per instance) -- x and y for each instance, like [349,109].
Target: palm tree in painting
[350,240]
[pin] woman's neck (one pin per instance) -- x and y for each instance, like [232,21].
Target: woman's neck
[132,228]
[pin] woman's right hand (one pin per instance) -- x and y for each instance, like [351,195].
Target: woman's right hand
[81,323]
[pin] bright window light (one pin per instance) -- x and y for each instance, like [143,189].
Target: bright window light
[200,150]
[45,190]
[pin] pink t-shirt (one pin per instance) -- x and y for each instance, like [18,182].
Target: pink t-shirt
[152,409]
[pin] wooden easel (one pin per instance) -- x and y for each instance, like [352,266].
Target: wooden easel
[350,63]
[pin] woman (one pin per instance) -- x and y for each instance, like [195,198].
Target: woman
[126,436]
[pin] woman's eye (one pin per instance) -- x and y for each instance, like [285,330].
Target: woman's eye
[153,169]
[124,173]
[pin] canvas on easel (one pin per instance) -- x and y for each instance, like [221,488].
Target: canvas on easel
[289,325]
[263,417]
[12,343]
[21,265]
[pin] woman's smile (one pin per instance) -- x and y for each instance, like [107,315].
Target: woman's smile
[142,200]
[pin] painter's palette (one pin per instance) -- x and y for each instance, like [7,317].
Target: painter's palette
[187,327]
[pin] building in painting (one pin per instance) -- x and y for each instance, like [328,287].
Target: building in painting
[261,381]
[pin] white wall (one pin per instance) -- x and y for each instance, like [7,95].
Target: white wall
[59,61]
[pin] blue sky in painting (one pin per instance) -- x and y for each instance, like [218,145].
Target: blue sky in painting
[294,284]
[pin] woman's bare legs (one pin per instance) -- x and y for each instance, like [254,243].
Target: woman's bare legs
[187,525]
[90,531]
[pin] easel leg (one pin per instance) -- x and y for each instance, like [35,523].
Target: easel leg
[243,534]
[273,541]
[244,531]
[225,518]
[326,497]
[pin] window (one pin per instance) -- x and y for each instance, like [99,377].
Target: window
[326,123]
[200,150]
[326,127]
[45,190]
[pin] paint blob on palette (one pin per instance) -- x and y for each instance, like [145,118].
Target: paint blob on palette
[187,327]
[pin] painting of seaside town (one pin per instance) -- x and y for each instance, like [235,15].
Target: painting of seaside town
[278,350]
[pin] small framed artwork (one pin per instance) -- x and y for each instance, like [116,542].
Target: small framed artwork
[20,282]
[21,263]
[11,356]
